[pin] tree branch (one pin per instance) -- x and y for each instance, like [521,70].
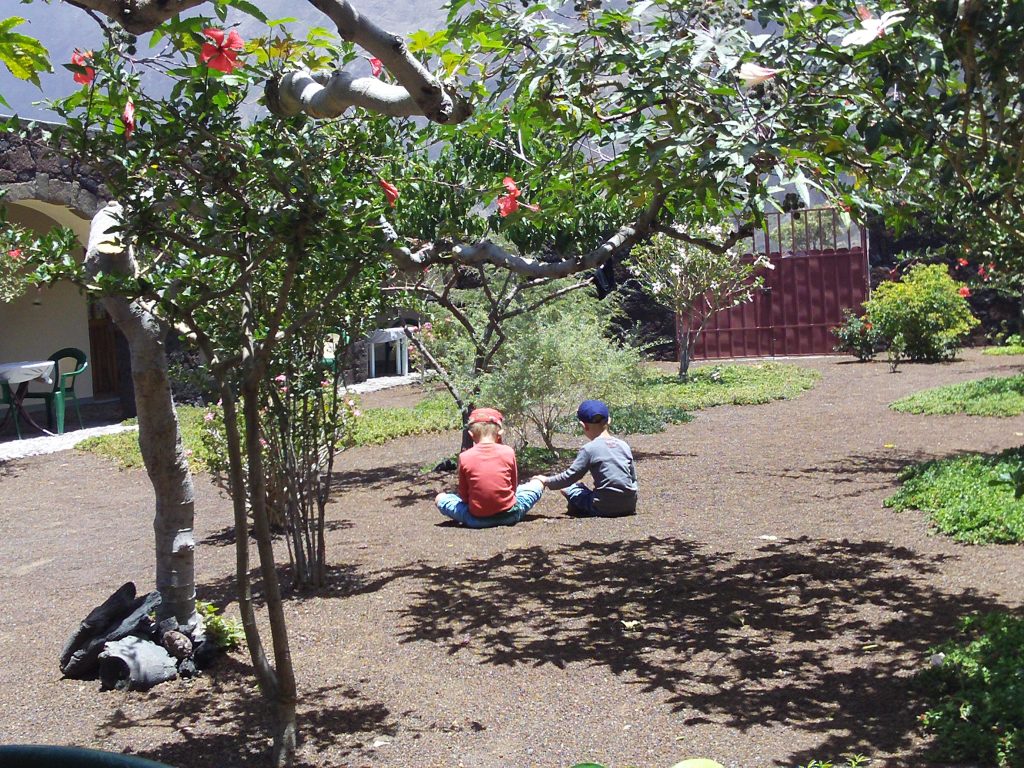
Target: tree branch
[325,95]
[418,92]
[486,252]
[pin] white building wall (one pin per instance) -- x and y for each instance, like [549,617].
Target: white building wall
[34,326]
[34,331]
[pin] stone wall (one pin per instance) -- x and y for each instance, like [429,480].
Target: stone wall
[32,167]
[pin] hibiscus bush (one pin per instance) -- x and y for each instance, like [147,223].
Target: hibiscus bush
[923,317]
[20,253]
[857,336]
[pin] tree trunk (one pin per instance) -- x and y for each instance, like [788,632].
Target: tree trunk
[685,350]
[159,437]
[283,697]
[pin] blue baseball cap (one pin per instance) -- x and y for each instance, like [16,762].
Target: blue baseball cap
[591,411]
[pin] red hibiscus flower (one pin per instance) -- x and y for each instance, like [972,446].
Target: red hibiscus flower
[390,191]
[965,291]
[376,66]
[15,253]
[982,273]
[128,118]
[509,203]
[82,59]
[222,53]
[962,262]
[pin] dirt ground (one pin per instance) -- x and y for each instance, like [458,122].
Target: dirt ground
[762,609]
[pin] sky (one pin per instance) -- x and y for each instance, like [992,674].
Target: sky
[62,28]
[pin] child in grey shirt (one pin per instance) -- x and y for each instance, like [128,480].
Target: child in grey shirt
[609,461]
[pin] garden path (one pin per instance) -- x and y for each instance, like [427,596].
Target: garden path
[763,609]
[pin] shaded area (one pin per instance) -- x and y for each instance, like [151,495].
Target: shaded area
[224,723]
[822,636]
[225,537]
[852,476]
[404,485]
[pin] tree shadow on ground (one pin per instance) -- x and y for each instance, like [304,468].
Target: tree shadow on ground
[342,580]
[233,719]
[225,537]
[819,636]
[404,485]
[854,475]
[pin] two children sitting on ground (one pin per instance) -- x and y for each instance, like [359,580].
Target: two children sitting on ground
[489,494]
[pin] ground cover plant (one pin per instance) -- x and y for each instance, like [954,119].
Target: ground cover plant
[992,396]
[974,498]
[974,692]
[657,401]
[713,385]
[1013,345]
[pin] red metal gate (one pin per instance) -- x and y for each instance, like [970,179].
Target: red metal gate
[821,268]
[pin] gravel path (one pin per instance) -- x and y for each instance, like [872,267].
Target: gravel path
[763,609]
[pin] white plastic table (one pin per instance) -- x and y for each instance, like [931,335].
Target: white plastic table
[17,376]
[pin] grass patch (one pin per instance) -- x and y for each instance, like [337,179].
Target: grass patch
[712,385]
[659,400]
[436,413]
[1009,349]
[974,692]
[123,447]
[971,498]
[993,396]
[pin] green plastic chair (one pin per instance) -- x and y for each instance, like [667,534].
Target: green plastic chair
[63,388]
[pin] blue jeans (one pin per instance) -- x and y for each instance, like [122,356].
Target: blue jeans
[581,502]
[527,494]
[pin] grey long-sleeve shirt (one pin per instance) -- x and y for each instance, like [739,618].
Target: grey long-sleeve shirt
[610,462]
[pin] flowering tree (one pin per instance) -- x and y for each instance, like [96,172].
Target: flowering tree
[229,234]
[470,191]
[219,219]
[695,282]
[937,97]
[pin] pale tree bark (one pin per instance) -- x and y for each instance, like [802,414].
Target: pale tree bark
[325,94]
[159,438]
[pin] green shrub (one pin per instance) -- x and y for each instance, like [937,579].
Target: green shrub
[971,498]
[975,687]
[924,315]
[226,633]
[857,336]
[554,358]
[992,396]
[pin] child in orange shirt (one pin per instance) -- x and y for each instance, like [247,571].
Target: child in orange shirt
[489,494]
